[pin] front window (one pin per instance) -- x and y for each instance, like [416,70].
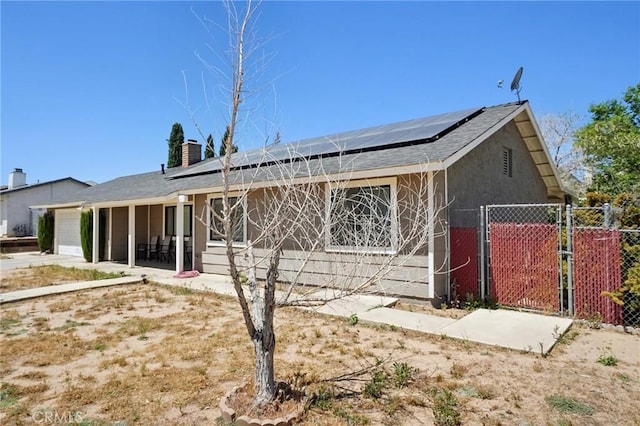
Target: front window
[170,220]
[361,218]
[216,227]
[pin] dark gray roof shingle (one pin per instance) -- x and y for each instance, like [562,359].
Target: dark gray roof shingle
[204,174]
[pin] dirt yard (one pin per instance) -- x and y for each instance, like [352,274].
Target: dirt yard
[148,354]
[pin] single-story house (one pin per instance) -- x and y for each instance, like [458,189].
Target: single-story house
[17,218]
[463,160]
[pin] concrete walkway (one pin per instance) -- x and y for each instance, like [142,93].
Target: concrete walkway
[508,329]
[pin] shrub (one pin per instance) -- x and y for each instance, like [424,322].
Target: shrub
[45,232]
[86,234]
[373,388]
[445,408]
[608,360]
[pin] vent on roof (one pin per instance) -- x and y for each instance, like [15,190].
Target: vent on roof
[507,162]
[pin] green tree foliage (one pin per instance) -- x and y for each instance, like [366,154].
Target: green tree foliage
[45,232]
[611,143]
[176,139]
[86,234]
[223,144]
[209,151]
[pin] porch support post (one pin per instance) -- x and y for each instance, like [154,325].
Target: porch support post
[132,237]
[431,209]
[180,233]
[96,236]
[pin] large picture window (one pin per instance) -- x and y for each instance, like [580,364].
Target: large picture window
[362,218]
[216,228]
[170,220]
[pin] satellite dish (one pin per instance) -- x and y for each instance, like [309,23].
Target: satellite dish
[515,84]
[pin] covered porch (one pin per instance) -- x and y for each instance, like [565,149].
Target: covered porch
[152,233]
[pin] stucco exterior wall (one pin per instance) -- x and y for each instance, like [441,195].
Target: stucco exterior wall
[14,205]
[142,231]
[409,278]
[440,249]
[119,233]
[477,179]
[156,214]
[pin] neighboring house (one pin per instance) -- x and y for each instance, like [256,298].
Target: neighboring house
[17,218]
[470,158]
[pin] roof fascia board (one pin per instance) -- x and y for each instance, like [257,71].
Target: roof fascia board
[134,202]
[534,123]
[57,206]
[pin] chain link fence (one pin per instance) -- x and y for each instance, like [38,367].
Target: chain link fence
[582,262]
[524,256]
[606,258]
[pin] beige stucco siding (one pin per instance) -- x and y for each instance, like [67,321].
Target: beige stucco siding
[404,277]
[142,231]
[477,179]
[119,233]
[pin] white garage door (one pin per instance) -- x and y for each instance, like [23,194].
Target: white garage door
[67,232]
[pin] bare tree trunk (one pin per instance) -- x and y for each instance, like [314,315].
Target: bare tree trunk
[263,338]
[264,374]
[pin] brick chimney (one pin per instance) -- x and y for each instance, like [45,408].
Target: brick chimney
[191,152]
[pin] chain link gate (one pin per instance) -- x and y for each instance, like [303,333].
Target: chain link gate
[524,256]
[564,260]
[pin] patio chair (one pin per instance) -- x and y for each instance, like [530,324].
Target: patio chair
[141,251]
[166,249]
[153,248]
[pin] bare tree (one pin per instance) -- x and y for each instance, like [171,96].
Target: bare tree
[558,131]
[302,215]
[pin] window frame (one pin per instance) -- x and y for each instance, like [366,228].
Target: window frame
[175,206]
[221,242]
[392,182]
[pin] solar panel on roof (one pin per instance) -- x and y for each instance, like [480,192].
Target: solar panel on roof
[364,139]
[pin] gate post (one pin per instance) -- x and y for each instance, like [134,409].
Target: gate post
[607,215]
[483,264]
[569,253]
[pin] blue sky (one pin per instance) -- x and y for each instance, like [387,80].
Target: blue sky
[91,89]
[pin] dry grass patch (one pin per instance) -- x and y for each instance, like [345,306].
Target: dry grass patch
[42,276]
[140,353]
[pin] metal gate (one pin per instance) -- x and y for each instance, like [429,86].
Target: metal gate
[556,259]
[524,257]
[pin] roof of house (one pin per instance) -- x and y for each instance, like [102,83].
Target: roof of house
[436,141]
[5,189]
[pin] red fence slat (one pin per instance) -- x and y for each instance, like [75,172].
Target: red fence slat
[597,268]
[464,261]
[524,265]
